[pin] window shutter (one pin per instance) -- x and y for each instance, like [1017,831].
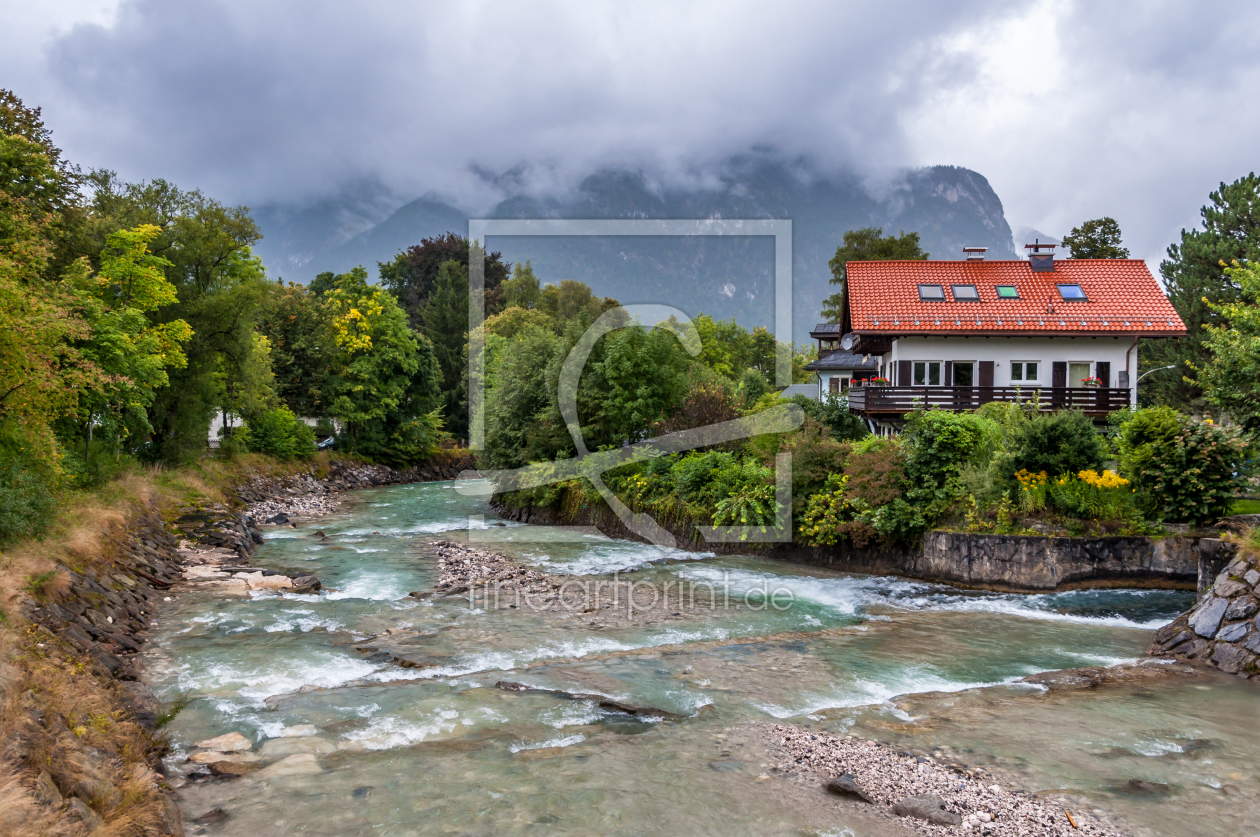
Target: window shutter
[1102,371]
[986,373]
[949,373]
[903,373]
[1059,374]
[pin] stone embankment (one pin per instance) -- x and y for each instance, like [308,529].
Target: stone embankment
[1223,628]
[929,794]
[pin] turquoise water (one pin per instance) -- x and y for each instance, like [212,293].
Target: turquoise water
[438,749]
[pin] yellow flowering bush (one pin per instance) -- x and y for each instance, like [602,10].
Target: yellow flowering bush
[1090,495]
[1032,489]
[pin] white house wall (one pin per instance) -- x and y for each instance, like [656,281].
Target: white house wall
[1045,351]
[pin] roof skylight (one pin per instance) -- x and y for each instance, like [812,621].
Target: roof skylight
[932,292]
[965,293]
[1007,292]
[1073,292]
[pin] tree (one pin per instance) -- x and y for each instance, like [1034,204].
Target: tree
[444,320]
[1097,239]
[1230,379]
[296,323]
[640,379]
[412,276]
[518,397]
[133,355]
[572,301]
[1200,288]
[386,386]
[863,245]
[523,289]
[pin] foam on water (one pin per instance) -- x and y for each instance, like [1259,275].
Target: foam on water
[372,585]
[274,675]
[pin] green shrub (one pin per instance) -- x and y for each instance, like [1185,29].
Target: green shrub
[278,433]
[749,505]
[1057,443]
[1196,474]
[29,477]
[833,412]
[1144,435]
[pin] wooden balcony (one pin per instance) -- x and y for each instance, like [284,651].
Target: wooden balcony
[876,401]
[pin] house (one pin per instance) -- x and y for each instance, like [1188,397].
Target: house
[838,368]
[958,334]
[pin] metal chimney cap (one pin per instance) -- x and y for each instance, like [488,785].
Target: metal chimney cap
[974,253]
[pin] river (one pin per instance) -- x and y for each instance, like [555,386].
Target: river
[438,749]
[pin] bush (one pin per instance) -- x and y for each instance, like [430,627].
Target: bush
[1195,475]
[833,412]
[1144,436]
[1089,495]
[278,433]
[29,477]
[1057,443]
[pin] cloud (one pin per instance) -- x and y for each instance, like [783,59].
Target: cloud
[1071,110]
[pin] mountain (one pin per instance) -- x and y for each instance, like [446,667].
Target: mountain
[722,276]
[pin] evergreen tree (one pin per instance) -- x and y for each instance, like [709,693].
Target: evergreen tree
[1200,289]
[1097,239]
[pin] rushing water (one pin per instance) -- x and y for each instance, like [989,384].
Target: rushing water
[437,749]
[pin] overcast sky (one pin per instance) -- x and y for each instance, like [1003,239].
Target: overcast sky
[1071,110]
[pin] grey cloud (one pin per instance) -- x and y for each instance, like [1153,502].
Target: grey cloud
[292,103]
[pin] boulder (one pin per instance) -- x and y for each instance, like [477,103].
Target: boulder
[930,808]
[211,756]
[847,785]
[46,790]
[1232,633]
[279,519]
[1241,608]
[231,742]
[232,767]
[306,584]
[214,815]
[1206,618]
[1227,588]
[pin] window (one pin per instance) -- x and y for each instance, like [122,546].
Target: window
[1072,292]
[927,373]
[1023,370]
[965,293]
[931,292]
[963,374]
[1007,292]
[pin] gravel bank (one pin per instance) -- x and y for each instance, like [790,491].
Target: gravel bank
[888,776]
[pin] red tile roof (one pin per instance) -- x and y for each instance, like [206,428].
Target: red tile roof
[1122,296]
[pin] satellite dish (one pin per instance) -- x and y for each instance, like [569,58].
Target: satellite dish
[848,341]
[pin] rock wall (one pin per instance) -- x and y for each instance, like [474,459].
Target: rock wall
[1027,564]
[1223,628]
[1022,563]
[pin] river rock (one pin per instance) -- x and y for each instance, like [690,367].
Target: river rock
[259,581]
[295,765]
[229,743]
[847,785]
[306,584]
[79,810]
[1206,619]
[282,747]
[232,767]
[930,808]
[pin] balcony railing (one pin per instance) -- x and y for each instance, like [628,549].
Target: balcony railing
[875,400]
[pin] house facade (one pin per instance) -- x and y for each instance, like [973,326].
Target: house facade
[958,334]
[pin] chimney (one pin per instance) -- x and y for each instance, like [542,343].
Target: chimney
[1038,261]
[974,254]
